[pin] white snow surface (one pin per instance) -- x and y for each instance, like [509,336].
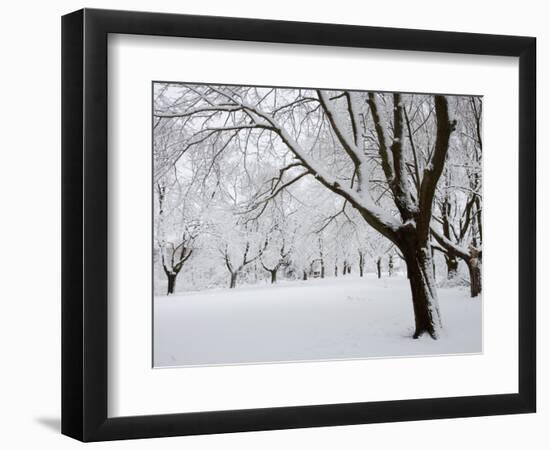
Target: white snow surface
[323,319]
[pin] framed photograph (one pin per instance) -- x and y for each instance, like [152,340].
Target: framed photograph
[273,225]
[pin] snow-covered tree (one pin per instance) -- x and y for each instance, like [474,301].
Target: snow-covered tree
[379,155]
[177,231]
[460,232]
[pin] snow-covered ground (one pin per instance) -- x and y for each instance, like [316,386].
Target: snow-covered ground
[335,318]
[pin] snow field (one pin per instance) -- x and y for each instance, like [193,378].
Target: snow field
[337,318]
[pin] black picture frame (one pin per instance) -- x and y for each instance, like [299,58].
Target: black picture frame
[84,224]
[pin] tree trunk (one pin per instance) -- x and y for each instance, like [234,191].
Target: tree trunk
[379,267]
[273,276]
[390,265]
[452,265]
[233,281]
[474,267]
[424,294]
[322,268]
[433,263]
[304,276]
[335,270]
[450,257]
[472,258]
[171,283]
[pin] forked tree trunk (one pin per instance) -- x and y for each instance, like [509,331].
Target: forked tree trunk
[347,269]
[472,258]
[474,267]
[424,294]
[171,282]
[273,275]
[233,280]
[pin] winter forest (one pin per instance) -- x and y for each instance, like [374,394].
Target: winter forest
[300,223]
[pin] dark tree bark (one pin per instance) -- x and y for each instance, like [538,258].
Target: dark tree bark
[361,263]
[475,277]
[390,265]
[379,267]
[451,259]
[171,283]
[452,265]
[347,268]
[474,268]
[425,302]
[233,280]
[472,258]
[173,269]
[272,272]
[477,203]
[304,275]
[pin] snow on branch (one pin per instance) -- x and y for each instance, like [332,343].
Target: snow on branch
[400,185]
[449,245]
[435,167]
[350,147]
[377,217]
[385,155]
